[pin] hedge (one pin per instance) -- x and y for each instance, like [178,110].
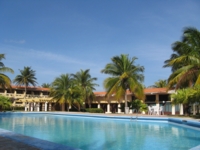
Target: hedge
[94,110]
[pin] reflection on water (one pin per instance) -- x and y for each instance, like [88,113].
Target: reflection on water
[100,134]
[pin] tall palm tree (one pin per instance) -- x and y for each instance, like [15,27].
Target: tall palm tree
[26,78]
[86,82]
[125,76]
[4,79]
[185,61]
[63,91]
[160,84]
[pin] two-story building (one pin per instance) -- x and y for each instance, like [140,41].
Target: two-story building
[37,99]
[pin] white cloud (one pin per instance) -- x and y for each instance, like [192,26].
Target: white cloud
[16,41]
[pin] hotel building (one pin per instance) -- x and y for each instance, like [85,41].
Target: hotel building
[37,99]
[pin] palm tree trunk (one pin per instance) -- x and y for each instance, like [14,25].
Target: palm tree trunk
[125,100]
[126,109]
[89,103]
[63,106]
[25,91]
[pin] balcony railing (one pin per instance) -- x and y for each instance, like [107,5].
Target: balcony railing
[22,95]
[36,96]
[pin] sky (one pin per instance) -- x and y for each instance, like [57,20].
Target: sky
[56,37]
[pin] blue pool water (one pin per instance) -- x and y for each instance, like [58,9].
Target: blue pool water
[102,134]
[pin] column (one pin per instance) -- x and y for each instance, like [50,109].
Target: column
[194,109]
[15,93]
[173,110]
[25,108]
[118,109]
[31,106]
[98,106]
[108,108]
[157,101]
[34,106]
[38,106]
[157,104]
[181,109]
[45,106]
[28,105]
[49,106]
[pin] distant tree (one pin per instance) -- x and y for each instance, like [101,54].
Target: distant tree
[159,84]
[144,86]
[86,82]
[26,78]
[125,76]
[4,103]
[4,79]
[64,91]
[46,85]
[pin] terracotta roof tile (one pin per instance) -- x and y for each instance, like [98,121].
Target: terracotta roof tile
[97,93]
[30,88]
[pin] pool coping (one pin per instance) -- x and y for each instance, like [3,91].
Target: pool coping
[34,142]
[47,145]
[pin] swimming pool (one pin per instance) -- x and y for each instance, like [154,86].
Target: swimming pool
[99,133]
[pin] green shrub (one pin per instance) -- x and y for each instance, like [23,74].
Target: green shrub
[19,108]
[94,110]
[75,110]
[197,116]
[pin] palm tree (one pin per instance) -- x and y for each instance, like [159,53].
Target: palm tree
[77,97]
[46,85]
[125,76]
[159,84]
[86,82]
[26,78]
[4,103]
[62,90]
[187,96]
[185,61]
[4,79]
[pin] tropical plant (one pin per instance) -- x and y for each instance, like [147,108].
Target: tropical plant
[77,97]
[26,78]
[86,82]
[143,107]
[136,104]
[94,110]
[4,103]
[125,76]
[159,84]
[63,91]
[4,79]
[46,85]
[185,96]
[185,61]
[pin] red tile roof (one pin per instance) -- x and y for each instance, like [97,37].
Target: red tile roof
[155,90]
[146,91]
[30,88]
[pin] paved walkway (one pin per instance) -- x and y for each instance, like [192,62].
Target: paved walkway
[9,144]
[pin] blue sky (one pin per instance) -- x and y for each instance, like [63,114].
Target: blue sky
[64,36]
